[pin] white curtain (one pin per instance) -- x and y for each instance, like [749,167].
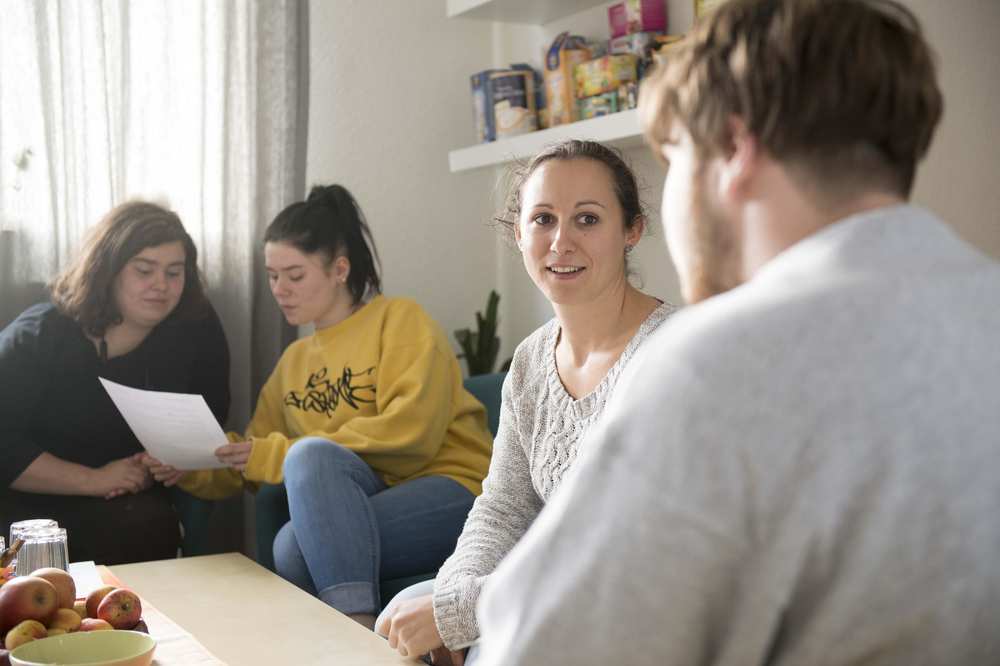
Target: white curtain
[193,103]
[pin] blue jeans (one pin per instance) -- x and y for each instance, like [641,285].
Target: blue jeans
[348,530]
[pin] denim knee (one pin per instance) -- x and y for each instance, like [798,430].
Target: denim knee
[307,454]
[289,561]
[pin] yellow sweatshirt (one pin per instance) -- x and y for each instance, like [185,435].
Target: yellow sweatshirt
[383,383]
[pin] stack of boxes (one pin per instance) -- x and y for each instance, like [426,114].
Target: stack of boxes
[580,79]
[609,84]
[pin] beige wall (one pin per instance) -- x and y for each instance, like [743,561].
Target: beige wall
[960,179]
[389,97]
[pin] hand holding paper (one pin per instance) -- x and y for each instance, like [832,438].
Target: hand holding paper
[176,428]
[235,454]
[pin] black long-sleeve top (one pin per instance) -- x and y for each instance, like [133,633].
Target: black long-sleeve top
[51,399]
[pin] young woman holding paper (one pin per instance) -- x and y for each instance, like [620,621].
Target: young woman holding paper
[381,449]
[130,308]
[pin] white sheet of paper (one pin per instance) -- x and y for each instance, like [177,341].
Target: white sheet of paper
[176,428]
[86,577]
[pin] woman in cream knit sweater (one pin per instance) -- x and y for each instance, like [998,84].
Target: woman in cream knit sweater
[575,214]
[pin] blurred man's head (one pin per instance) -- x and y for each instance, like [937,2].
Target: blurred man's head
[840,96]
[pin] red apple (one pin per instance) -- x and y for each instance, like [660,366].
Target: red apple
[27,598]
[121,608]
[63,582]
[94,599]
[93,624]
[25,632]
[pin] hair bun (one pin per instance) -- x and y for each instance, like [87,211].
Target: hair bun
[326,195]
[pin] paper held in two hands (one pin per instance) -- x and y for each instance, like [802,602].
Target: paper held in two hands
[176,428]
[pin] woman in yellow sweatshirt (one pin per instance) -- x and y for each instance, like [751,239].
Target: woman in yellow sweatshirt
[366,421]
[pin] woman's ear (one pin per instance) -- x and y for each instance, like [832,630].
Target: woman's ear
[341,269]
[634,233]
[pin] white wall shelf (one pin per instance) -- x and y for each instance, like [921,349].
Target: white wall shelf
[619,129]
[535,12]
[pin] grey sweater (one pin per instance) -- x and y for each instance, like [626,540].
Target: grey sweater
[541,427]
[804,470]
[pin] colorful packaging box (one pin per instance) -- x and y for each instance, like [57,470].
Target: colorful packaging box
[598,105]
[602,75]
[504,102]
[628,96]
[565,53]
[513,94]
[645,16]
[638,44]
[617,20]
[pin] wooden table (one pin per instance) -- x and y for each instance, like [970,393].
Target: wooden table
[246,615]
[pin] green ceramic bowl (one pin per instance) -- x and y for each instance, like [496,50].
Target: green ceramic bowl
[87,648]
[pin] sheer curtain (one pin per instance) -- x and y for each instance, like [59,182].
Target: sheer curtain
[193,103]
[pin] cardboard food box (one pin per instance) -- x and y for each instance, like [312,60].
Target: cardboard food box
[513,103]
[565,53]
[628,96]
[598,105]
[617,20]
[646,15]
[605,74]
[504,102]
[630,16]
[638,43]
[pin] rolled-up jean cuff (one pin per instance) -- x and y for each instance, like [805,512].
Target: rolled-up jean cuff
[351,598]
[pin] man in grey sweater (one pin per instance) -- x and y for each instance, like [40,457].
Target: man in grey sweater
[803,467]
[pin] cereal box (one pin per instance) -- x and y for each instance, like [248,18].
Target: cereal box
[563,55]
[504,102]
[598,105]
[605,74]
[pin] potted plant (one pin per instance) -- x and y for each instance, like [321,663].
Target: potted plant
[480,347]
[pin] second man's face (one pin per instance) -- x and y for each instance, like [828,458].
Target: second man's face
[700,237]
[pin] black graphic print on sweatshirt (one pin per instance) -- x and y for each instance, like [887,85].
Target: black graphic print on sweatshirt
[324,396]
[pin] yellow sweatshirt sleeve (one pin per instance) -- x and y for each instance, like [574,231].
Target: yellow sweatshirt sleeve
[212,484]
[221,483]
[414,404]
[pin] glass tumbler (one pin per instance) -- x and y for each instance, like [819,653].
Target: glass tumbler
[21,527]
[43,547]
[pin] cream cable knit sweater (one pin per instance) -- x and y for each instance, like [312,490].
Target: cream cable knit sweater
[541,428]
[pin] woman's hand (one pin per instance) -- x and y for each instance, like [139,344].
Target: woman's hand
[168,475]
[411,629]
[235,454]
[118,477]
